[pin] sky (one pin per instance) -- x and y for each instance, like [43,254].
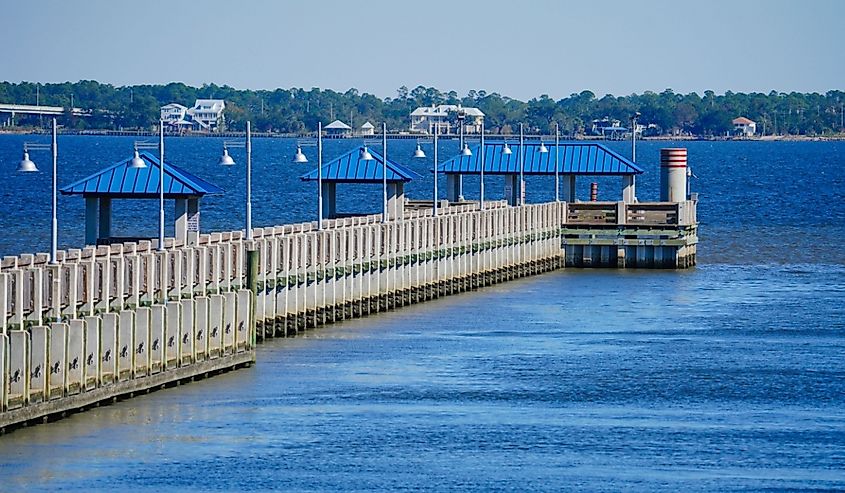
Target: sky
[521,49]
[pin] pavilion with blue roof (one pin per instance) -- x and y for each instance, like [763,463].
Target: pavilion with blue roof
[573,159]
[352,167]
[123,181]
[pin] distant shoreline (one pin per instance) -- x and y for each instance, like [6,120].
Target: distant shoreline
[691,138]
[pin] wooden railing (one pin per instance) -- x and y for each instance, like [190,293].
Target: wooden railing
[651,214]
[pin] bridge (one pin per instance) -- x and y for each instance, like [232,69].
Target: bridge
[26,109]
[110,321]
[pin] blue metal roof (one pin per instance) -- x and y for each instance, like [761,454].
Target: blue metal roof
[121,181]
[573,159]
[350,168]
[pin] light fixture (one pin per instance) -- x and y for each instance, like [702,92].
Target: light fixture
[26,165]
[365,154]
[466,151]
[226,159]
[419,153]
[507,149]
[543,149]
[299,157]
[137,162]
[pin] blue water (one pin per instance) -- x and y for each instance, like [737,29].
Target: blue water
[726,377]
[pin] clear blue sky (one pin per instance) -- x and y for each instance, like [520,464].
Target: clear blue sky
[520,49]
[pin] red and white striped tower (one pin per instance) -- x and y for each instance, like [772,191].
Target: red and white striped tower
[673,175]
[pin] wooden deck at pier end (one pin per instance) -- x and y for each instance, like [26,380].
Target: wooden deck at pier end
[113,320]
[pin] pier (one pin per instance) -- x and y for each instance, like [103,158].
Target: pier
[125,317]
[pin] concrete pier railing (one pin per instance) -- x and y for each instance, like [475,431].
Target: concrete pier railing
[311,277]
[112,320]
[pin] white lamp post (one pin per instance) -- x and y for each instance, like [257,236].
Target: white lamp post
[365,155]
[634,136]
[226,160]
[384,168]
[521,190]
[28,166]
[300,157]
[137,162]
[421,155]
[557,163]
[464,150]
[481,157]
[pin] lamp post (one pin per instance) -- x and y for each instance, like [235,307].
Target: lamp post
[557,163]
[481,157]
[420,154]
[384,168]
[28,166]
[137,162]
[226,160]
[521,190]
[634,136]
[368,157]
[300,157]
[464,149]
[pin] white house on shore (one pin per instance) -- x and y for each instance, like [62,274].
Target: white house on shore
[368,129]
[446,117]
[744,127]
[173,113]
[206,115]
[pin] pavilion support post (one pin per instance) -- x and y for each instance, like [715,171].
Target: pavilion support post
[512,189]
[181,213]
[396,199]
[329,200]
[105,218]
[453,187]
[91,220]
[629,193]
[569,188]
[193,221]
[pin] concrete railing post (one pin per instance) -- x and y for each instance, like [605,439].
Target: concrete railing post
[252,285]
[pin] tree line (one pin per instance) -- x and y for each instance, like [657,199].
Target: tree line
[298,110]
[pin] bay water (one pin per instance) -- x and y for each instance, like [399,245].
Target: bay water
[726,377]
